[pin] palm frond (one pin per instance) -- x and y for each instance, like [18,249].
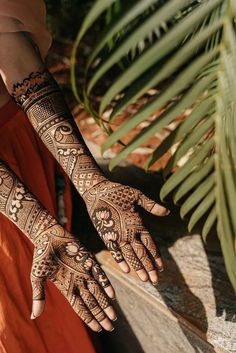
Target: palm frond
[191,65]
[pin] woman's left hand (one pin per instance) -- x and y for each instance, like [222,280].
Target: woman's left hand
[112,209]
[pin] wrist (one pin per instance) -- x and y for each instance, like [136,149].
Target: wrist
[42,224]
[90,182]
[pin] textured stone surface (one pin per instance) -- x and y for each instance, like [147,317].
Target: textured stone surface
[180,315]
[193,309]
[146,325]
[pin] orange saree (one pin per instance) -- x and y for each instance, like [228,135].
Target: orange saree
[58,329]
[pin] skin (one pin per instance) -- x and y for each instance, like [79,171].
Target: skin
[112,206]
[58,257]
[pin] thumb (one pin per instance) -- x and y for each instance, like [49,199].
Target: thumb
[38,296]
[151,206]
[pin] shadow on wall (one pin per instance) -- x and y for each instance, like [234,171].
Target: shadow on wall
[173,288]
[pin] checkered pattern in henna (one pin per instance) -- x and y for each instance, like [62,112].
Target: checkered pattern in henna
[113,210]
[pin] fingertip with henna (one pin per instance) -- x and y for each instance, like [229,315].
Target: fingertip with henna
[37,308]
[160,211]
[110,292]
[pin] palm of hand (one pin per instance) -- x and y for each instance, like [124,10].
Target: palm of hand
[112,209]
[62,259]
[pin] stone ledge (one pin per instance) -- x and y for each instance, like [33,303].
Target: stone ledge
[177,315]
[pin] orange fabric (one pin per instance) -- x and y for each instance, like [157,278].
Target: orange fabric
[26,16]
[58,330]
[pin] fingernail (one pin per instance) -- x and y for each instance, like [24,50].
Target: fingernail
[113,298]
[32,316]
[161,269]
[155,284]
[167,212]
[112,329]
[100,330]
[115,319]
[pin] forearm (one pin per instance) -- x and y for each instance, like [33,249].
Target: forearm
[21,207]
[34,89]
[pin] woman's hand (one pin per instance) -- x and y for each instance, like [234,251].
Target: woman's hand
[60,258]
[112,209]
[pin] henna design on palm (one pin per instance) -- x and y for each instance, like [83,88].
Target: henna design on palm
[73,270]
[112,209]
[58,256]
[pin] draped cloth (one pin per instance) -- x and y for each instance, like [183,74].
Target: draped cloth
[59,329]
[26,16]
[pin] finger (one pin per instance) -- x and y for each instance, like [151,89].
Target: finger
[152,248]
[110,292]
[38,295]
[76,302]
[151,206]
[95,309]
[132,259]
[100,276]
[85,315]
[110,312]
[107,325]
[102,299]
[37,308]
[144,257]
[117,255]
[124,266]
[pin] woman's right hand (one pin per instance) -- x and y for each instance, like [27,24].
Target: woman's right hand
[58,256]
[61,258]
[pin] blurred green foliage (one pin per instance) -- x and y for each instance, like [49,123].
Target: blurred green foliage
[64,17]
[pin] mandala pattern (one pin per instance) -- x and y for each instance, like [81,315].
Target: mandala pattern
[58,256]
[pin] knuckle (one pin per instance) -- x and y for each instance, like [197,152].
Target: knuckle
[99,314]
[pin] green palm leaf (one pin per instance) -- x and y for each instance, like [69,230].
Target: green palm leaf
[192,66]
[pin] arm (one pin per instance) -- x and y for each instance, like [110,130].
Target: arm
[38,94]
[35,90]
[58,256]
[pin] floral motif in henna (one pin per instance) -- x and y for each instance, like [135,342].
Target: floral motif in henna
[112,208]
[58,256]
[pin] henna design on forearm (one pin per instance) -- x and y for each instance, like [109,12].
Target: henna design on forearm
[58,256]
[40,97]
